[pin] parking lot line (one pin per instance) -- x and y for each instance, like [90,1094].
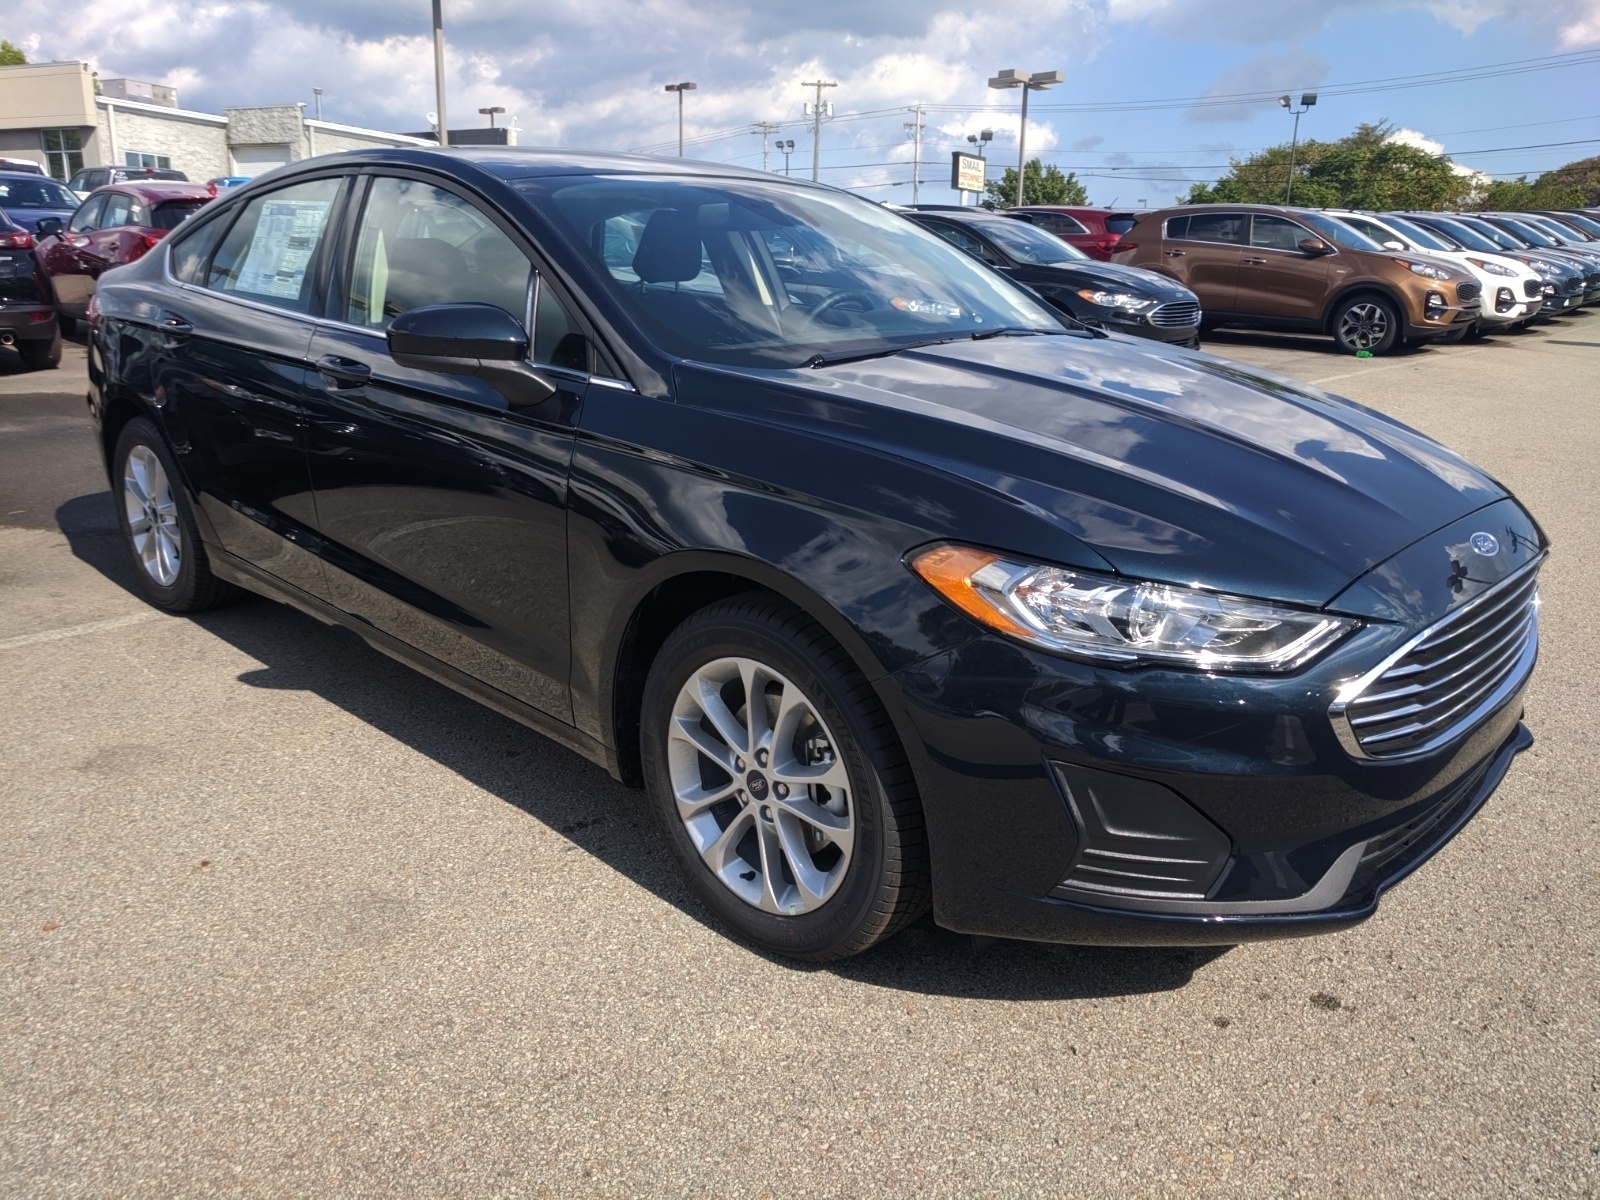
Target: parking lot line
[72,631]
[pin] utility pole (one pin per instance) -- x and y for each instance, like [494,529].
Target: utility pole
[915,128]
[766,129]
[438,71]
[816,114]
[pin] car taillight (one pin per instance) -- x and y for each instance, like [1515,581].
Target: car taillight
[1108,241]
[20,240]
[1124,246]
[149,240]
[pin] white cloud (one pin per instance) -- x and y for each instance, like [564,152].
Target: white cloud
[1291,71]
[1412,137]
[1573,23]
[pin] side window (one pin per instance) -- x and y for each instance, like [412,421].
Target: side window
[1217,227]
[962,240]
[267,255]
[420,245]
[191,249]
[558,339]
[80,182]
[1177,229]
[88,216]
[1064,226]
[119,206]
[1275,233]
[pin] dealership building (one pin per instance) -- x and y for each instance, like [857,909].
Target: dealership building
[61,116]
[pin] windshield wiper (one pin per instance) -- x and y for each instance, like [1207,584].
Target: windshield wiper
[1013,331]
[823,360]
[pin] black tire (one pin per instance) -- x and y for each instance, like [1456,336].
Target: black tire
[885,884]
[194,587]
[1368,322]
[41,354]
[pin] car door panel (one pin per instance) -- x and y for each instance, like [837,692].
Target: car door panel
[1276,278]
[442,511]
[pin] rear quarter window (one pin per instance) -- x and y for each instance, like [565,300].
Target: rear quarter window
[1121,225]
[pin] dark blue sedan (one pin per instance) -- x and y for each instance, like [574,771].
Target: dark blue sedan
[28,199]
[888,590]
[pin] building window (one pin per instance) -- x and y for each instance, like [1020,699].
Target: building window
[63,152]
[137,158]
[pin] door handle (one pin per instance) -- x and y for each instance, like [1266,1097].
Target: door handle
[174,329]
[1175,253]
[346,372]
[1256,262]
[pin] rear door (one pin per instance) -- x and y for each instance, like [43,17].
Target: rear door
[69,276]
[1276,277]
[232,367]
[443,511]
[1203,252]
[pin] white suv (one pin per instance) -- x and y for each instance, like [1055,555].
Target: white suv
[1512,291]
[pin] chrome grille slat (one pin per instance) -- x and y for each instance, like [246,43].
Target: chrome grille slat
[1447,679]
[1175,315]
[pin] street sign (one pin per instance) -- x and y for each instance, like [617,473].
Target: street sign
[968,172]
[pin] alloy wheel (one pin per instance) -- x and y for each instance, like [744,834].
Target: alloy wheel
[152,516]
[759,786]
[1363,326]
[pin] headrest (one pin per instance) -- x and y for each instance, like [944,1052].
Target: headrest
[669,250]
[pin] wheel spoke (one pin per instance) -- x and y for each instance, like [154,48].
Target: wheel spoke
[695,800]
[721,849]
[831,824]
[771,869]
[688,729]
[811,883]
[829,774]
[709,696]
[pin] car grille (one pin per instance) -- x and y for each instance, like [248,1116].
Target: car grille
[1593,281]
[1468,292]
[1173,316]
[1572,285]
[1532,288]
[1448,678]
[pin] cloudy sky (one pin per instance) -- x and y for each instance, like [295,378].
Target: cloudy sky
[1152,97]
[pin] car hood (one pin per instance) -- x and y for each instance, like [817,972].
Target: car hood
[1108,276]
[1162,463]
[29,218]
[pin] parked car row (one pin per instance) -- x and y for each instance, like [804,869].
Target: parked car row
[54,249]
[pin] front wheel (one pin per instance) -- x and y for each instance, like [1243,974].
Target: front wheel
[778,781]
[1366,324]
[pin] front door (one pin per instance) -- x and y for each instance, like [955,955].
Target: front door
[231,368]
[443,510]
[70,281]
[1276,277]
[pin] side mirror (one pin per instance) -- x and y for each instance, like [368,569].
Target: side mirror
[1391,244]
[48,227]
[470,339]
[1315,247]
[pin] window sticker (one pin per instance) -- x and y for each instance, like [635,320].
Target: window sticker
[286,236]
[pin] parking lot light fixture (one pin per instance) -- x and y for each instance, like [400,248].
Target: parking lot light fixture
[1038,81]
[680,88]
[490,112]
[1307,100]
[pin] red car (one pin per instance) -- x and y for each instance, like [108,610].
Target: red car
[115,225]
[1095,231]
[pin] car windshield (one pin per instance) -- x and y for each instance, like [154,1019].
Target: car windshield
[1590,227]
[1501,239]
[1418,236]
[35,193]
[1469,238]
[1557,233]
[752,273]
[1030,244]
[1528,232]
[1338,232]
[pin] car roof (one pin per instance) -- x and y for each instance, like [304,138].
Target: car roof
[8,174]
[528,162]
[158,190]
[975,216]
[1078,210]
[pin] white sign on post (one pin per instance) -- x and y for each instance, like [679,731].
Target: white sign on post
[968,172]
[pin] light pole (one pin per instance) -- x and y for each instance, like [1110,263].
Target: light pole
[786,147]
[490,112]
[438,71]
[317,92]
[1308,100]
[1037,82]
[680,88]
[980,142]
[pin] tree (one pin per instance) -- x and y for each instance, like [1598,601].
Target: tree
[1046,185]
[1583,175]
[1362,170]
[11,56]
[1575,185]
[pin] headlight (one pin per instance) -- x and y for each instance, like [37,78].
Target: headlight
[1122,300]
[1426,270]
[1110,619]
[1491,268]
[1545,267]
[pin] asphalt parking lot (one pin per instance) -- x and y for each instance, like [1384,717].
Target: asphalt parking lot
[282,917]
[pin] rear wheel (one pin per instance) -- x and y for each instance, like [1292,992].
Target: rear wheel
[158,525]
[41,354]
[779,783]
[1366,323]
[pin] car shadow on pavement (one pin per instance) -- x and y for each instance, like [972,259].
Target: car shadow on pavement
[584,804]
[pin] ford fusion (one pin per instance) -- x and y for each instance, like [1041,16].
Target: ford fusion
[889,592]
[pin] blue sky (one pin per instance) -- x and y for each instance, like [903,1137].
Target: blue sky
[590,73]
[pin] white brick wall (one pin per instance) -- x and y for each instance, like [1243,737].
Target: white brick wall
[197,148]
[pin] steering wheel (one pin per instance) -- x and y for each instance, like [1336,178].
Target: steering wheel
[836,300]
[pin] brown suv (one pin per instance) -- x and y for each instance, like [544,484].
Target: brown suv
[1294,269]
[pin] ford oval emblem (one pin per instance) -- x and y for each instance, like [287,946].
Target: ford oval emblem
[1485,544]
